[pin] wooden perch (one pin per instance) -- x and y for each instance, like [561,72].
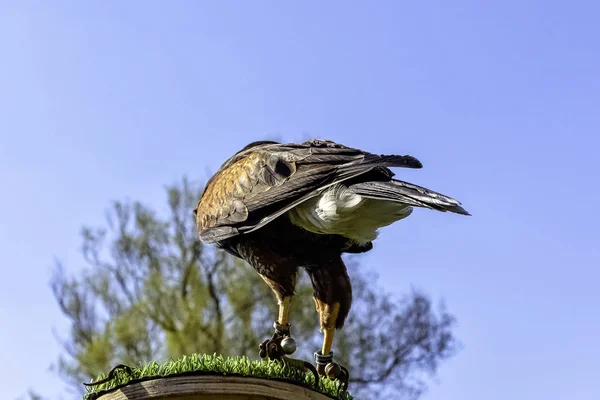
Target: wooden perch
[210,387]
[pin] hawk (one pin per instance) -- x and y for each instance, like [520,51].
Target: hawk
[282,207]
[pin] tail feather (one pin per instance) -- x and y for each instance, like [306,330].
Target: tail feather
[407,193]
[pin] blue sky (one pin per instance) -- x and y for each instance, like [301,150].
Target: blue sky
[110,100]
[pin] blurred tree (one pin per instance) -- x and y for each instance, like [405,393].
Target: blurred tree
[152,290]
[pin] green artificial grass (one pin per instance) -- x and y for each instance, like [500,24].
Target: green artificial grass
[197,364]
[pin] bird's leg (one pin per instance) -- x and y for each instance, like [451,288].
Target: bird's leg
[284,310]
[333,298]
[328,314]
[281,343]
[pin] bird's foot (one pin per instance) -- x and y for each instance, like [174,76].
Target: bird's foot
[326,367]
[281,344]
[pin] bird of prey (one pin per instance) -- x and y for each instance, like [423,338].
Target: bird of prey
[282,207]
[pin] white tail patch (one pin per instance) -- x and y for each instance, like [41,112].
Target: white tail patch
[340,211]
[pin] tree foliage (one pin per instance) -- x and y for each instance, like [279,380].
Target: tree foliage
[152,290]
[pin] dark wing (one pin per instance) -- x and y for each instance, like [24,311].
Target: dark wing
[259,184]
[408,193]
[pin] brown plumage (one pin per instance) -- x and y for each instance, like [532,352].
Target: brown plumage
[282,207]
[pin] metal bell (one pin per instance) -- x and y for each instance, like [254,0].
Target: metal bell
[333,370]
[288,345]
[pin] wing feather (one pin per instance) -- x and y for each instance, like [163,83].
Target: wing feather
[261,183]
